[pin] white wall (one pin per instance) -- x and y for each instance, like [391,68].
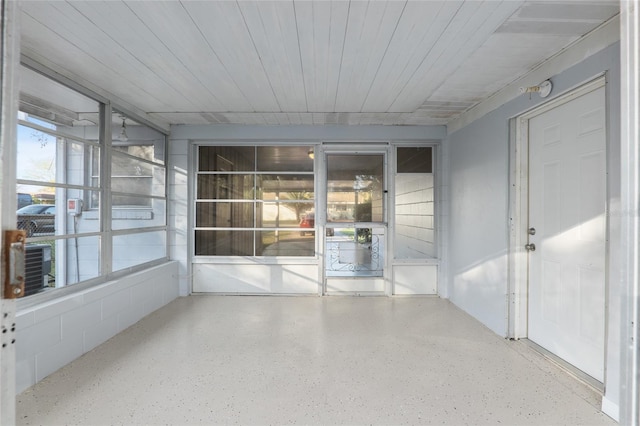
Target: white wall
[629,254]
[10,56]
[178,210]
[256,278]
[52,334]
[414,216]
[478,189]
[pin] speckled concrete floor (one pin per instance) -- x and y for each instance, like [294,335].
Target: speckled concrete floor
[310,360]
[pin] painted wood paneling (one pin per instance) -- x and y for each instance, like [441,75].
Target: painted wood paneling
[414,216]
[467,30]
[75,58]
[369,32]
[273,31]
[303,62]
[421,26]
[225,30]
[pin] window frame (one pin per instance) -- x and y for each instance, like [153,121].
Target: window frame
[255,201]
[148,197]
[105,234]
[436,205]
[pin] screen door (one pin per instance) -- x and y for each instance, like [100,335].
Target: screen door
[355,228]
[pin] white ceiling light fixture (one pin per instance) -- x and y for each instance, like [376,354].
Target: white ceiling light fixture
[123,133]
[543,89]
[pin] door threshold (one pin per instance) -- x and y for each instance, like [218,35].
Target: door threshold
[356,293]
[597,385]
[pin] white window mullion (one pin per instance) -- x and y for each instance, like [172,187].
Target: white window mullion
[106,242]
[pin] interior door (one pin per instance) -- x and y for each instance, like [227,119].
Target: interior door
[355,223]
[567,201]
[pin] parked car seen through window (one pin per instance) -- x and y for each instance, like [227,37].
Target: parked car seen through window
[37,219]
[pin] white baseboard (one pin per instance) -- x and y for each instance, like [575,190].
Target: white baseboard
[611,409]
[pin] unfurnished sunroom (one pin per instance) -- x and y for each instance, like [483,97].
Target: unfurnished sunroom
[465,150]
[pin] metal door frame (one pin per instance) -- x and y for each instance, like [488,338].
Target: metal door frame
[364,148]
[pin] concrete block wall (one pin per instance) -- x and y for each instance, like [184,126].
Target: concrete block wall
[52,334]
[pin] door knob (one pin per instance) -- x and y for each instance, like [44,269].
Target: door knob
[532,231]
[530,247]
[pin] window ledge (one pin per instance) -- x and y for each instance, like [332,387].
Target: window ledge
[244,260]
[121,214]
[428,261]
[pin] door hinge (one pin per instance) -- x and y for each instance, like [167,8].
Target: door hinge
[14,263]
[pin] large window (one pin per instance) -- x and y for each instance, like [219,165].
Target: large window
[57,130]
[254,201]
[61,171]
[137,193]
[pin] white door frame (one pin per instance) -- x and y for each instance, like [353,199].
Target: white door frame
[629,412]
[352,148]
[9,88]
[519,208]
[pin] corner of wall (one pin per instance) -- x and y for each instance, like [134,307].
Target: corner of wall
[178,195]
[443,228]
[54,333]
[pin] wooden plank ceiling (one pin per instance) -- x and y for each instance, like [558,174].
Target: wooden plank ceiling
[303,62]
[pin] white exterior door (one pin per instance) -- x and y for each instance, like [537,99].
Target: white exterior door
[567,202]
